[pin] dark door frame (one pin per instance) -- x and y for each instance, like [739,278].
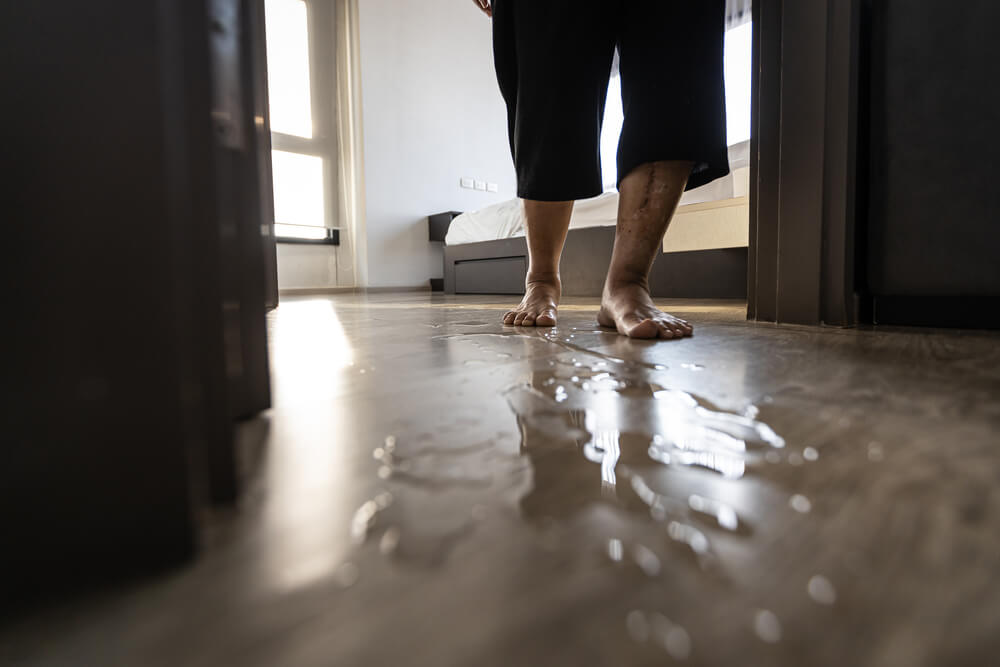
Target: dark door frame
[804,161]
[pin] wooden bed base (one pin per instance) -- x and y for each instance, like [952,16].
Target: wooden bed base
[499,267]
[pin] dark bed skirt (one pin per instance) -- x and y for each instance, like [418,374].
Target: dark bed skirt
[499,267]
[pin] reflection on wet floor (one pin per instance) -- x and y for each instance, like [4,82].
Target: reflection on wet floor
[443,490]
[600,430]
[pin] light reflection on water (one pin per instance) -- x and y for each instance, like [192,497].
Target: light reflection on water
[600,429]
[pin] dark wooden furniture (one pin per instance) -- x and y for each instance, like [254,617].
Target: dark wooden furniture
[873,196]
[139,265]
[437,225]
[933,238]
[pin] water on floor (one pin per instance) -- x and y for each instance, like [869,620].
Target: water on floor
[432,488]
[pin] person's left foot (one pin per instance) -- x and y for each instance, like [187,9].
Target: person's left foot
[629,309]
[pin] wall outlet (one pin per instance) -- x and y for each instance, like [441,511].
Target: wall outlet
[492,187]
[481,185]
[467,183]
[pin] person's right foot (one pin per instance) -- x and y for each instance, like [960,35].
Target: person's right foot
[538,307]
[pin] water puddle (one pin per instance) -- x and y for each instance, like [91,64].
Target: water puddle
[654,627]
[596,429]
[541,341]
[433,467]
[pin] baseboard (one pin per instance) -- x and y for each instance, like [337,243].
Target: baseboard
[313,291]
[401,288]
[950,312]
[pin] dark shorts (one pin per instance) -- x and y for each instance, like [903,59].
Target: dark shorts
[553,61]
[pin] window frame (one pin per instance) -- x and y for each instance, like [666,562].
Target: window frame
[324,141]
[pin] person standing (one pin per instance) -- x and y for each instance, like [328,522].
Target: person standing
[553,62]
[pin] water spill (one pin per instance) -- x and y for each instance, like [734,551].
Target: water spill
[821,590]
[390,540]
[659,629]
[724,515]
[366,516]
[646,559]
[616,551]
[875,452]
[800,504]
[674,639]
[545,338]
[600,430]
[675,427]
[767,626]
[590,330]
[433,467]
[690,536]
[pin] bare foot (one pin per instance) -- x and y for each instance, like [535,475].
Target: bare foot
[629,309]
[538,307]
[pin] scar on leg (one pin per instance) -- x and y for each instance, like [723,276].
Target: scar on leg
[649,188]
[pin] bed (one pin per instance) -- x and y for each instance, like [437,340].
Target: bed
[485,250]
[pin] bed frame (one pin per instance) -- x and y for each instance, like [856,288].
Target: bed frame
[499,267]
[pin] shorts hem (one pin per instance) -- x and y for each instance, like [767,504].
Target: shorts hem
[555,196]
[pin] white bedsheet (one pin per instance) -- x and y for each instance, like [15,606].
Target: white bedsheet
[505,220]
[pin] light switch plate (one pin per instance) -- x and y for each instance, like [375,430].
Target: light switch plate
[481,185]
[492,187]
[467,183]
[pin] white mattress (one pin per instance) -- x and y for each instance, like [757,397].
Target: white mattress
[506,220]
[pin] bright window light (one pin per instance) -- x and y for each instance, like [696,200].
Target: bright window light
[287,26]
[298,189]
[737,72]
[300,232]
[737,62]
[610,132]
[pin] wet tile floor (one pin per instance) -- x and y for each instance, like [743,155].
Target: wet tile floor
[433,488]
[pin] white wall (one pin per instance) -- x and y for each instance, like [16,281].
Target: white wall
[432,113]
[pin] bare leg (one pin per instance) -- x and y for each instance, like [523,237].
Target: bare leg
[545,225]
[648,198]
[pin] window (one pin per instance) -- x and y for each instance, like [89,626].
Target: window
[737,71]
[737,64]
[300,136]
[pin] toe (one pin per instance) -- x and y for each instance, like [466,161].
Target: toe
[529,320]
[685,327]
[665,331]
[642,329]
[676,328]
[519,318]
[547,318]
[509,316]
